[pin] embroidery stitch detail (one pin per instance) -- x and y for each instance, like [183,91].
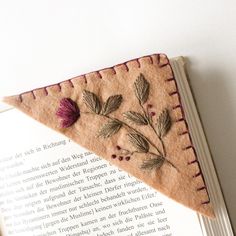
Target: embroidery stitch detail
[110,128]
[111,104]
[68,111]
[139,141]
[92,101]
[141,87]
[136,118]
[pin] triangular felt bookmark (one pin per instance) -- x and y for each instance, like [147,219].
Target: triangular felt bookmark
[131,115]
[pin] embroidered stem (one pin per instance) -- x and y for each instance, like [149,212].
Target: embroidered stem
[150,123]
[136,131]
[163,146]
[129,127]
[139,141]
[148,140]
[161,140]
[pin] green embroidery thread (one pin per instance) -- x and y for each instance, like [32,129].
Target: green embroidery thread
[138,140]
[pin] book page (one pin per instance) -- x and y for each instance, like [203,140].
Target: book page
[52,186]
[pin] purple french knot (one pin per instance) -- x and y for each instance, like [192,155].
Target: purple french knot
[68,111]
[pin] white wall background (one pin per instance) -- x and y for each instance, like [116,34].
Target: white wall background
[44,42]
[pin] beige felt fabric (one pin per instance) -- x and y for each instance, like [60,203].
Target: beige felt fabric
[183,185]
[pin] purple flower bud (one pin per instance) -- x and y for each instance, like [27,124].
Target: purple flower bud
[68,112]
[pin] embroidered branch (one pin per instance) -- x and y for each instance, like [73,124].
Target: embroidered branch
[138,140]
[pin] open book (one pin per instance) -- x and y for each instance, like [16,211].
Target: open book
[48,187]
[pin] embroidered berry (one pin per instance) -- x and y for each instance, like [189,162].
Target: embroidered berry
[120,158]
[113,156]
[127,158]
[152,113]
[118,147]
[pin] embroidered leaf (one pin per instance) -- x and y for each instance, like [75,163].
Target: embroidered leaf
[150,164]
[139,142]
[141,87]
[136,117]
[92,101]
[111,104]
[163,123]
[110,128]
